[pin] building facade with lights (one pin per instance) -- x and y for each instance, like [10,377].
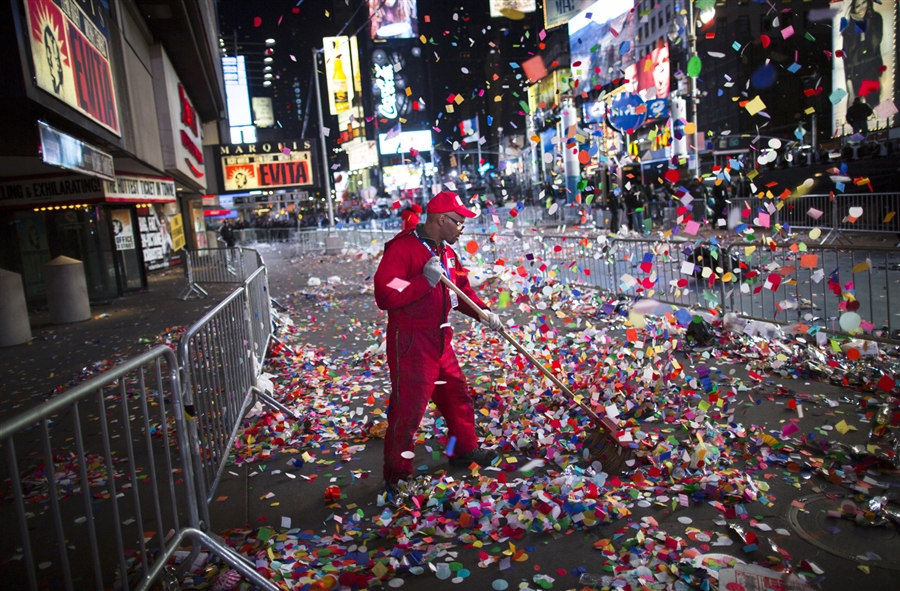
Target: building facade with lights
[102,151]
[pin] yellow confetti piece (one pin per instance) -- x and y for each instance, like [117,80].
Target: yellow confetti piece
[860,267]
[863,568]
[458,99]
[408,91]
[889,216]
[810,110]
[754,106]
[842,427]
[689,127]
[423,39]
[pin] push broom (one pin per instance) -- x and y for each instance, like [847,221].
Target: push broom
[602,443]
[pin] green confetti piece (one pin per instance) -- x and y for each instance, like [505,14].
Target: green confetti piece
[524,106]
[694,66]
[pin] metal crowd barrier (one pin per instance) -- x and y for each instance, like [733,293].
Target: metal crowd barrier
[220,358]
[833,214]
[779,284]
[109,458]
[211,265]
[815,287]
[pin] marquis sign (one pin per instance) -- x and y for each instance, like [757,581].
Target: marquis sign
[268,165]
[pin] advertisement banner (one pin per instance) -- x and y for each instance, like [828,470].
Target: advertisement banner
[393,19]
[70,55]
[248,167]
[339,73]
[156,238]
[63,189]
[653,73]
[864,35]
[398,69]
[601,42]
[140,189]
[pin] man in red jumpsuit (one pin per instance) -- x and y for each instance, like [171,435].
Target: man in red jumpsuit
[421,359]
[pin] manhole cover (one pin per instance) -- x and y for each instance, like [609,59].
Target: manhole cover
[842,537]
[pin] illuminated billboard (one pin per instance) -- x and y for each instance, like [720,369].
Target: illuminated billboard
[863,37]
[601,42]
[398,83]
[70,55]
[653,73]
[559,13]
[339,62]
[497,6]
[393,19]
[404,141]
[268,165]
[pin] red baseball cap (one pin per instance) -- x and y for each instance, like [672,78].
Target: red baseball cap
[446,202]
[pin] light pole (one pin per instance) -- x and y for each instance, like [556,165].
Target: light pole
[695,100]
[705,16]
[324,150]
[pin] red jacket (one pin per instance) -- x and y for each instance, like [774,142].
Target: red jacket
[418,305]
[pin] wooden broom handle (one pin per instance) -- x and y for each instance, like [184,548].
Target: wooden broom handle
[534,360]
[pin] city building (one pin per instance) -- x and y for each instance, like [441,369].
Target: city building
[105,107]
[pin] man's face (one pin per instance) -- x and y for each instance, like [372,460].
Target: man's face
[451,225]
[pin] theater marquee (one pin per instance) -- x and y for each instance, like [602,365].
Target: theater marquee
[70,55]
[251,167]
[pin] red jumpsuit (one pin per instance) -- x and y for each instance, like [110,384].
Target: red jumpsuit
[419,349]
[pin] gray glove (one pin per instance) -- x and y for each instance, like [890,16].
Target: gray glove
[491,320]
[433,271]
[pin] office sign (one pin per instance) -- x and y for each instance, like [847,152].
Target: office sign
[70,56]
[247,167]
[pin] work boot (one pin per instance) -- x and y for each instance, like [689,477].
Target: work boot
[482,457]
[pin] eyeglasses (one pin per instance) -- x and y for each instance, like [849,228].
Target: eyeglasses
[459,224]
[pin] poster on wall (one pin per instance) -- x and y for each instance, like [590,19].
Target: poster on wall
[199,228]
[70,56]
[156,238]
[863,37]
[122,230]
[176,222]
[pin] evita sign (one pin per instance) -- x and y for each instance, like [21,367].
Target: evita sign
[70,56]
[247,167]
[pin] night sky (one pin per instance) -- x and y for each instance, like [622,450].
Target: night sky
[469,54]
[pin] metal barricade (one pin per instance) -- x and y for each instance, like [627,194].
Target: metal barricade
[219,374]
[256,296]
[668,271]
[816,286]
[211,265]
[867,212]
[106,461]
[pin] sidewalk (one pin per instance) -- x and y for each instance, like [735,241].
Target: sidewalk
[59,356]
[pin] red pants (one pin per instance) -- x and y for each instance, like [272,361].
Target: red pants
[417,358]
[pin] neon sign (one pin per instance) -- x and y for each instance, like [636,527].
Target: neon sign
[384,80]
